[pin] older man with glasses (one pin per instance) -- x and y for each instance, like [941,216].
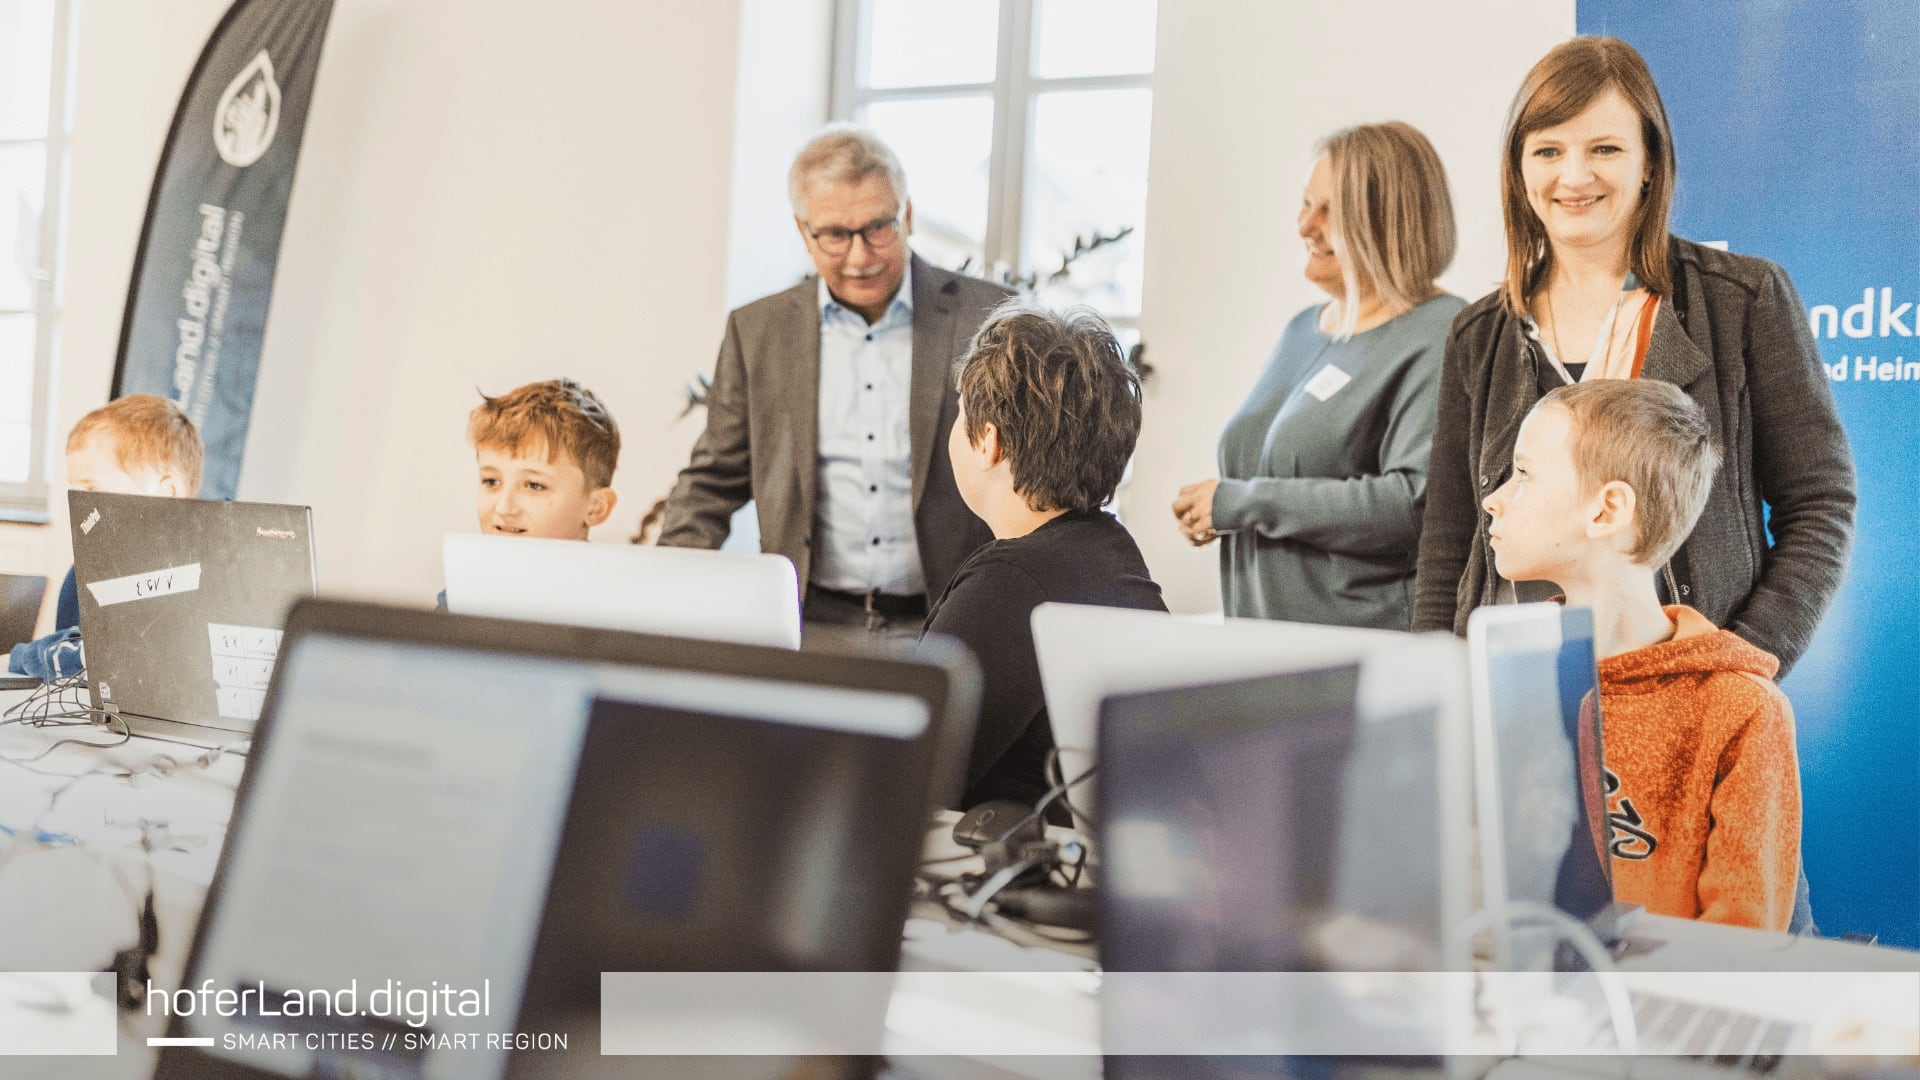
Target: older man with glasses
[831,402]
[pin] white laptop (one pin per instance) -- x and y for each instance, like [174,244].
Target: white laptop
[1088,653]
[1301,824]
[751,599]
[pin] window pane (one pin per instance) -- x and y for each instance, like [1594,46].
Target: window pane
[946,146]
[23,184]
[1094,37]
[16,397]
[1087,174]
[26,67]
[932,42]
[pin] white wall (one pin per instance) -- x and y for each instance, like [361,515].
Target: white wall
[491,192]
[484,200]
[1242,89]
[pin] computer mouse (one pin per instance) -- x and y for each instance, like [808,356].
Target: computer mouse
[1001,821]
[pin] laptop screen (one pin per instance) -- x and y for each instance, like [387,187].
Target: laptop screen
[1541,696]
[1221,812]
[1289,824]
[412,825]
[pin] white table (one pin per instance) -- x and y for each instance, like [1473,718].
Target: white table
[77,866]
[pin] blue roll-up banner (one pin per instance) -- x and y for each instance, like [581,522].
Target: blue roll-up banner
[1797,133]
[203,274]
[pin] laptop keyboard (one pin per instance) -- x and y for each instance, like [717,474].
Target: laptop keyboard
[1704,1033]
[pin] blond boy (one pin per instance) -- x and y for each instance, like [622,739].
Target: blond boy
[1703,783]
[136,445]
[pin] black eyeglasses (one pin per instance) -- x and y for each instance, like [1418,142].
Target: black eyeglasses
[878,233]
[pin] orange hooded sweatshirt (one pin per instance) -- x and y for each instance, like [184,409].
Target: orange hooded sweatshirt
[1703,784]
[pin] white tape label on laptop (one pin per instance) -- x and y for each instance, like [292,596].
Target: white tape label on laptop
[120,590]
[243,659]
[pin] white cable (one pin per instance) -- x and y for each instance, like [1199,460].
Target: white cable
[977,902]
[1581,937]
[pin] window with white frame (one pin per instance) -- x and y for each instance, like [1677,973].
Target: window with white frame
[1023,126]
[34,41]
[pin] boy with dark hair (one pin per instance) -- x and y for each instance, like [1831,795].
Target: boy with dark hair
[139,444]
[547,452]
[1049,414]
[1703,784]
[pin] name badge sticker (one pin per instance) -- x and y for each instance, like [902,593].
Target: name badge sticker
[1327,382]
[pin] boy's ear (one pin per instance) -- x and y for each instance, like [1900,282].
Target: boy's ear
[1613,513]
[988,448]
[600,506]
[170,486]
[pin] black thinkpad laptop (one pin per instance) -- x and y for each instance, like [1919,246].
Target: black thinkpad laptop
[181,605]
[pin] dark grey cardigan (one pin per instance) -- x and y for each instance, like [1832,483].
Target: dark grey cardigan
[1735,338]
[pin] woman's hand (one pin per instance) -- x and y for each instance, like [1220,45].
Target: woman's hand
[1193,509]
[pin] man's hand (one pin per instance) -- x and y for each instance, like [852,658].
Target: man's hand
[1193,509]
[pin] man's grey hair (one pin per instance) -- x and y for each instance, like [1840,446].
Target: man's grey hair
[842,153]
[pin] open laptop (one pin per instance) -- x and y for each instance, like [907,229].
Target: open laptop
[20,596]
[454,802]
[1539,767]
[181,604]
[1541,794]
[1306,823]
[1087,653]
[720,595]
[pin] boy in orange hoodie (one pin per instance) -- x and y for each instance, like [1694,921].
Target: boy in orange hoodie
[1703,785]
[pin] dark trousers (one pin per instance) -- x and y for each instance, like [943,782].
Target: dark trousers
[840,615]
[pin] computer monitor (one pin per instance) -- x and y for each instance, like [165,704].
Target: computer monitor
[181,606]
[1539,767]
[1087,653]
[684,592]
[1310,822]
[443,802]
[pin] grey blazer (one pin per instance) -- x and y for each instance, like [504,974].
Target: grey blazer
[763,414]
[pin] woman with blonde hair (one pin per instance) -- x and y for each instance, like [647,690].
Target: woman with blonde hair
[1323,468]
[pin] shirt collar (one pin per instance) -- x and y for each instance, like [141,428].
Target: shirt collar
[903,299]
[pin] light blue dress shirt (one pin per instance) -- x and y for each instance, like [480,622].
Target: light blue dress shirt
[863,512]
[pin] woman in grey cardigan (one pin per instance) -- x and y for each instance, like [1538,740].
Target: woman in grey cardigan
[1596,287]
[1324,468]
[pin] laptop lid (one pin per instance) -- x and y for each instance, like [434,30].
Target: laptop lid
[181,604]
[20,597]
[687,592]
[444,802]
[1086,653]
[1539,763]
[1291,824]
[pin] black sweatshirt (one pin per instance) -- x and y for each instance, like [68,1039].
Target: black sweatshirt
[1080,557]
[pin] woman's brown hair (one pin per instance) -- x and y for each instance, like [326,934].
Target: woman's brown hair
[1560,87]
